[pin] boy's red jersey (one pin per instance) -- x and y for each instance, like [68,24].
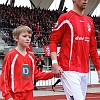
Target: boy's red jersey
[19,72]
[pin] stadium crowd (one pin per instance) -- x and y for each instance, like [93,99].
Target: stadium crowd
[40,20]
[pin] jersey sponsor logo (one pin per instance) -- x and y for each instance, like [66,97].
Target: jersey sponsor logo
[89,27]
[24,79]
[79,38]
[82,38]
[25,71]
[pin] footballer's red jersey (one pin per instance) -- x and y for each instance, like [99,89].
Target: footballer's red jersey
[19,72]
[78,42]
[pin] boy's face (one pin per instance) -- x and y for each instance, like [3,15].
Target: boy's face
[24,39]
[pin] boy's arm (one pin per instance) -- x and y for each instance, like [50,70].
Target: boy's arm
[5,79]
[42,75]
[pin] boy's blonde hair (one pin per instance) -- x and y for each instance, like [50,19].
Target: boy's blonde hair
[22,28]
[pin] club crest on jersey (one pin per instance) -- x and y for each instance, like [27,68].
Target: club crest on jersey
[25,70]
[89,27]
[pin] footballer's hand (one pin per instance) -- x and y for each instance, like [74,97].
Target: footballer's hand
[56,70]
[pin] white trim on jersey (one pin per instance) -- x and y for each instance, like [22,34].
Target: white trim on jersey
[12,71]
[72,34]
[5,72]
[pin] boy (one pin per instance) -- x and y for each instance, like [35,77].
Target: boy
[19,68]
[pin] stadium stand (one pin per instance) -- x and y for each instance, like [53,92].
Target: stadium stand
[40,20]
